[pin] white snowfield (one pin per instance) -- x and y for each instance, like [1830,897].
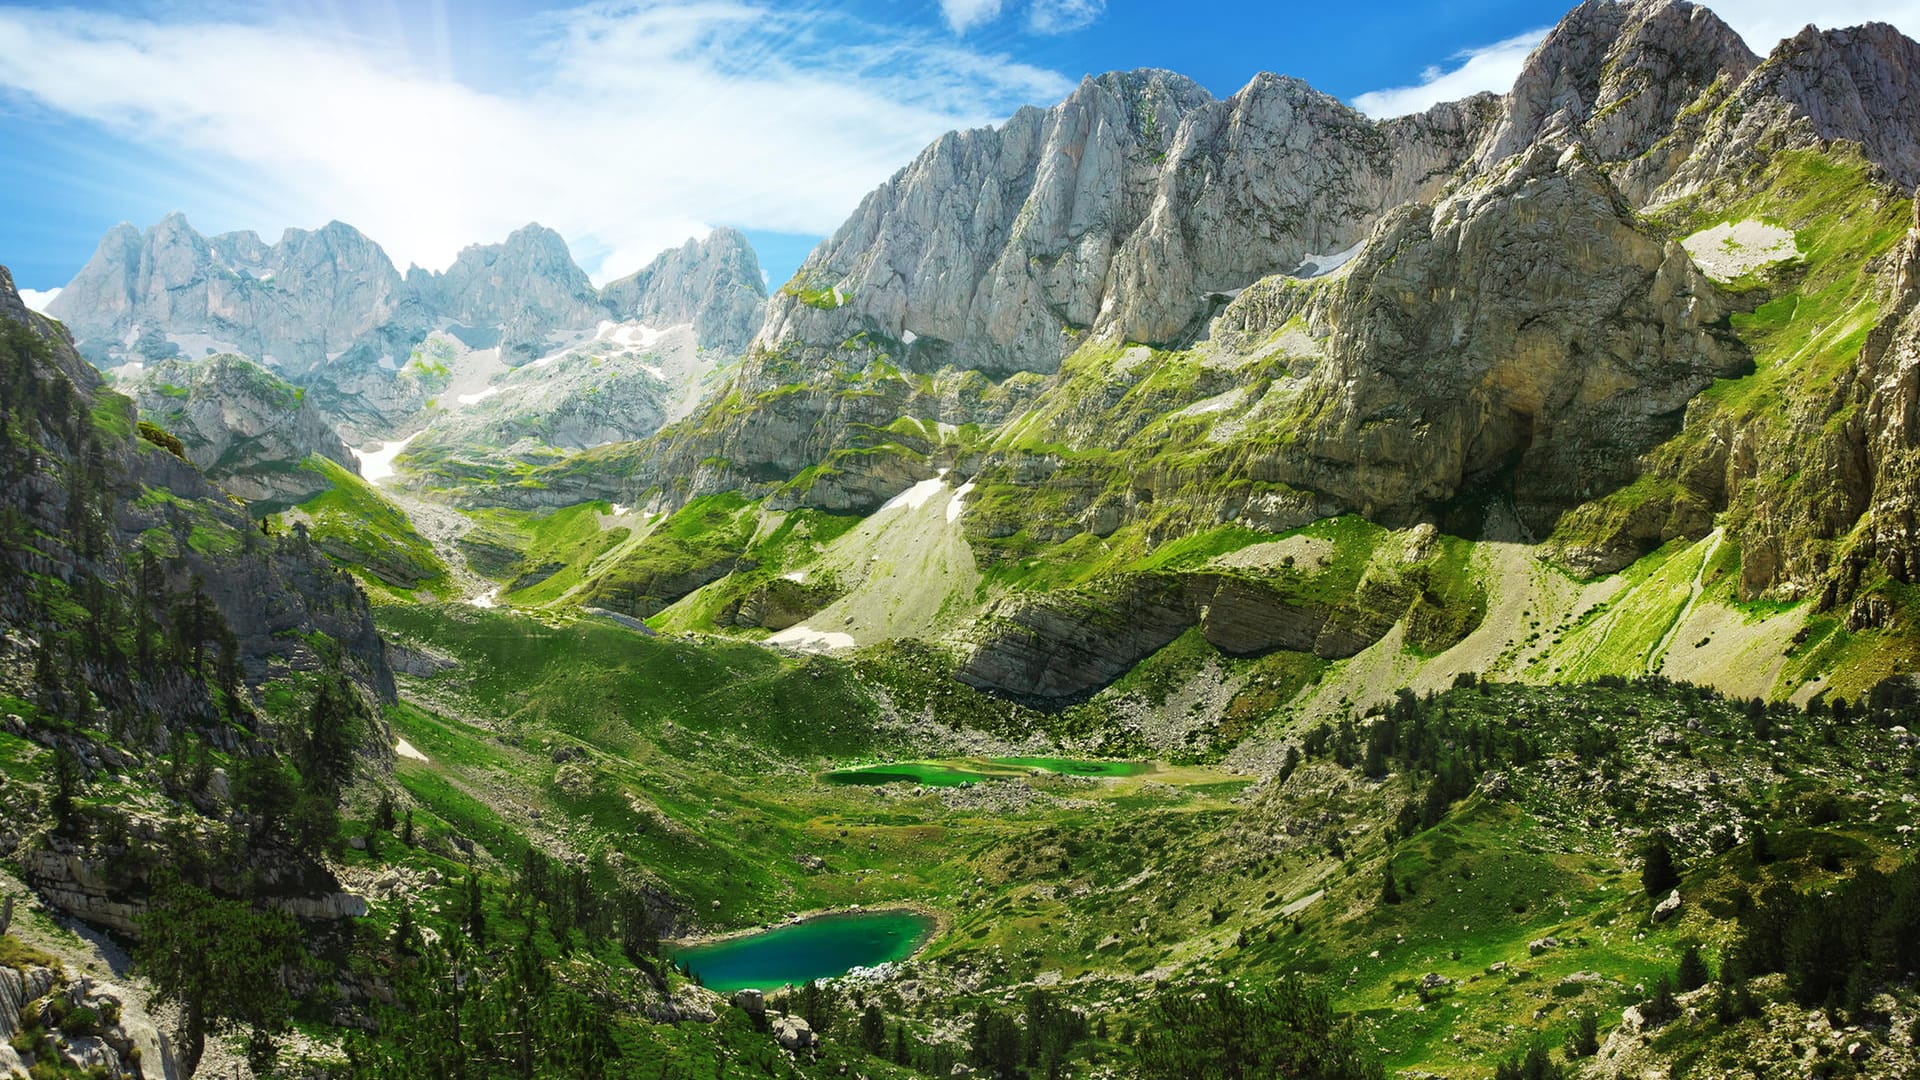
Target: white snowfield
[916,496]
[806,637]
[958,504]
[1734,249]
[376,461]
[1322,265]
[621,335]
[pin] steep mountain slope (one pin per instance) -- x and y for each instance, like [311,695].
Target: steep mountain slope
[149,636]
[87,494]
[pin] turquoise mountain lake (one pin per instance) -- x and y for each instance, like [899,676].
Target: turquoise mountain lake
[818,948]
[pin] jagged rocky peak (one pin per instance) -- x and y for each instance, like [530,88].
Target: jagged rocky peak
[528,286]
[715,284]
[171,291]
[248,429]
[1618,77]
[1860,84]
[1126,210]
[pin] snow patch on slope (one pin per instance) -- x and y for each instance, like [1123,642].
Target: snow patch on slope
[376,460]
[916,496]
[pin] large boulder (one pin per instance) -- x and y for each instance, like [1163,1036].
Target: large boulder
[793,1033]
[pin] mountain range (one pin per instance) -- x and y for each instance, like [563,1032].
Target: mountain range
[1467,561]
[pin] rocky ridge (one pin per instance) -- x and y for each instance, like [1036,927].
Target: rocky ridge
[327,310]
[713,284]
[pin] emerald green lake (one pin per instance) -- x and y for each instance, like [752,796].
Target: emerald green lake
[819,948]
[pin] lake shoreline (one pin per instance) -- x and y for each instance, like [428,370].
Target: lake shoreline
[942,922]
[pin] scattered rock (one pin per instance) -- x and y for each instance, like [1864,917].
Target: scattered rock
[1667,908]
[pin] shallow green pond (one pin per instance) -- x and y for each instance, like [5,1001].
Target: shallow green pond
[910,772]
[1079,767]
[819,948]
[939,775]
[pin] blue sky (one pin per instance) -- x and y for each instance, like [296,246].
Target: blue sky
[629,126]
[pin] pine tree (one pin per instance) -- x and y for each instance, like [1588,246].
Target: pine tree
[1585,1040]
[1661,1008]
[639,936]
[1693,973]
[1389,892]
[66,786]
[475,916]
[873,1030]
[326,757]
[406,939]
[1659,874]
[219,960]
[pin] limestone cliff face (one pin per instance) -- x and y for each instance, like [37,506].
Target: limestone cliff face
[1118,211]
[1888,431]
[1857,442]
[247,429]
[1057,648]
[1131,211]
[1580,340]
[713,284]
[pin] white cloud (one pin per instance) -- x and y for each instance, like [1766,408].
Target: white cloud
[1764,22]
[1063,16]
[964,15]
[38,299]
[643,124]
[1761,23]
[1490,67]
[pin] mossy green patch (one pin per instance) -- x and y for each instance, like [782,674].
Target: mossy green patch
[369,536]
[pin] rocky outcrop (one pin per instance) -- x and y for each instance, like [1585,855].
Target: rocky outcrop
[246,428]
[713,284]
[793,1033]
[1054,648]
[1585,339]
[126,1042]
[1120,211]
